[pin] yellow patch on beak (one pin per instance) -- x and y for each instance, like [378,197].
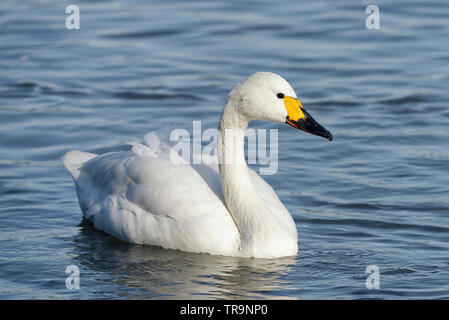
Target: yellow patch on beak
[294,108]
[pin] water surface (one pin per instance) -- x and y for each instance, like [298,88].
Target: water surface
[376,195]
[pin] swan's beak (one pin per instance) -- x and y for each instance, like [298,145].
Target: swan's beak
[299,118]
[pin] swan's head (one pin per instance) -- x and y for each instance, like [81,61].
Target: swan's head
[268,96]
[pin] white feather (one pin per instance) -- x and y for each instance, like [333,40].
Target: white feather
[141,196]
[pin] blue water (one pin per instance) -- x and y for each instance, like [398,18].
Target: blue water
[376,195]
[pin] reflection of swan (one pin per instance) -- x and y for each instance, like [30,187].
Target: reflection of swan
[136,271]
[143,197]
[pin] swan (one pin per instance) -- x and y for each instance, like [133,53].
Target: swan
[142,196]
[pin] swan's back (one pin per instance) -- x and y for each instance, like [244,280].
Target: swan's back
[140,196]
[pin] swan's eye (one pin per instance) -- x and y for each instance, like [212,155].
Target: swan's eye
[280,95]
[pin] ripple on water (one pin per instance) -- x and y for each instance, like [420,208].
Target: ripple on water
[375,195]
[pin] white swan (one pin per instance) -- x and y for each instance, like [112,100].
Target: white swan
[141,196]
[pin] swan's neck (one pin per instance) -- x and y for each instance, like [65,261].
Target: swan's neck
[259,229]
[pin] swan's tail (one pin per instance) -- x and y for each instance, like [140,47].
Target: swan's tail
[74,160]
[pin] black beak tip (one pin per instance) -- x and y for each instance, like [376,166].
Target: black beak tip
[311,126]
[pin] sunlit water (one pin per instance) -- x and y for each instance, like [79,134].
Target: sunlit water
[376,195]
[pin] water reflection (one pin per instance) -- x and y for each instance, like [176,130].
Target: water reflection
[173,274]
